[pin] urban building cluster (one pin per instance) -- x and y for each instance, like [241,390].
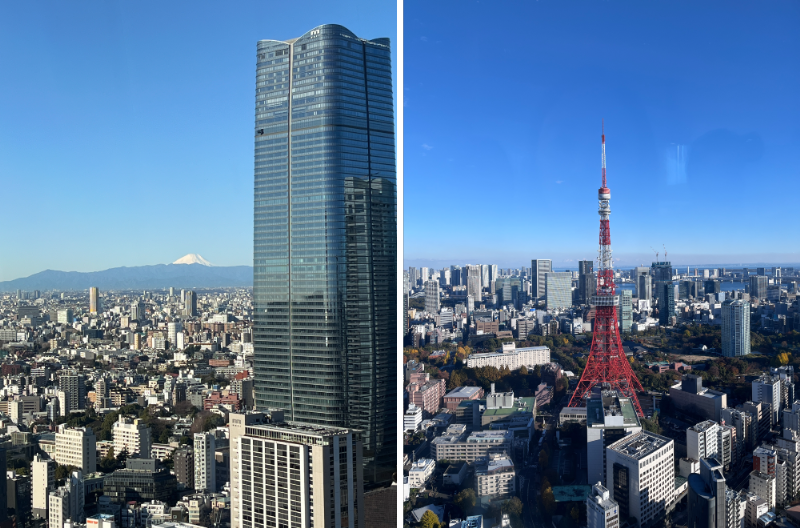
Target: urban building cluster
[472,303]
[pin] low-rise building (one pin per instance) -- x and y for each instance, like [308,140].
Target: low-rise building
[412,418]
[510,357]
[453,398]
[458,445]
[421,470]
[495,477]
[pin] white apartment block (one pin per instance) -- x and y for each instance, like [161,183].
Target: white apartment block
[601,510]
[421,470]
[66,503]
[412,418]
[767,389]
[296,475]
[755,507]
[702,441]
[461,446]
[205,467]
[132,436]
[608,418]
[763,486]
[495,477]
[43,477]
[76,447]
[642,467]
[511,357]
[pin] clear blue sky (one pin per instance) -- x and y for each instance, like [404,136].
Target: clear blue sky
[126,128]
[503,104]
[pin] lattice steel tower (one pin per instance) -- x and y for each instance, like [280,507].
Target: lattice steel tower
[607,364]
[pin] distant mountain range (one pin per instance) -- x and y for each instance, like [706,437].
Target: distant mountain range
[194,275]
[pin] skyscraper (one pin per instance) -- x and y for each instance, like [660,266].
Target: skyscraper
[666,302]
[538,269]
[558,290]
[94,300]
[432,297]
[586,281]
[325,241]
[758,286]
[474,282]
[735,328]
[190,304]
[626,310]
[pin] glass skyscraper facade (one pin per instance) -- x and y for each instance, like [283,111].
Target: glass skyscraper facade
[325,237]
[735,328]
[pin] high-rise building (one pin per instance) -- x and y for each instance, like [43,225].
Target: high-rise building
[325,246]
[735,328]
[172,332]
[66,503]
[76,447]
[190,304]
[586,281]
[204,462]
[74,387]
[297,474]
[94,300]
[640,473]
[137,311]
[64,316]
[432,297]
[183,458]
[474,282]
[711,504]
[666,302]
[601,510]
[702,441]
[626,310]
[540,267]
[43,472]
[484,276]
[608,419]
[644,287]
[758,286]
[558,290]
[131,436]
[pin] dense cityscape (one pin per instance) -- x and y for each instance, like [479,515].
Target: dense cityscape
[271,406]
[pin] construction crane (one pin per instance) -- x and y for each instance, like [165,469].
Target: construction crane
[665,252]
[656,252]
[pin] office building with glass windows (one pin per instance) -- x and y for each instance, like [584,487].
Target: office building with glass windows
[325,237]
[558,289]
[735,328]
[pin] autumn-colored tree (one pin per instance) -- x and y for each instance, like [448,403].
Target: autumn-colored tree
[429,520]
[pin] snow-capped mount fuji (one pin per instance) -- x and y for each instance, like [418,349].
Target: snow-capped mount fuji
[193,258]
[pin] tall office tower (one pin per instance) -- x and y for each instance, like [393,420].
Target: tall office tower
[492,273]
[205,467]
[539,268]
[702,440]
[171,291]
[661,271]
[758,287]
[73,384]
[131,436]
[711,504]
[712,286]
[445,277]
[608,419]
[626,311]
[644,289]
[190,304]
[43,478]
[424,275]
[172,332]
[735,328]
[455,276]
[601,510]
[761,271]
[666,302]
[94,300]
[137,311]
[640,472]
[586,281]
[607,364]
[325,248]
[432,297]
[484,276]
[321,471]
[76,447]
[558,290]
[406,284]
[474,282]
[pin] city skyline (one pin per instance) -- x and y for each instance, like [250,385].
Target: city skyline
[701,121]
[152,115]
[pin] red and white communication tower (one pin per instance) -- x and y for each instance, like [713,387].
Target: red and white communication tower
[607,364]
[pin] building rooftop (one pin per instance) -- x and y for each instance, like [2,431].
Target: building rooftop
[489,437]
[500,353]
[571,493]
[521,405]
[609,410]
[639,445]
[703,426]
[462,392]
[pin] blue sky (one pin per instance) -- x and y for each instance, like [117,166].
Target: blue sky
[126,128]
[503,105]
